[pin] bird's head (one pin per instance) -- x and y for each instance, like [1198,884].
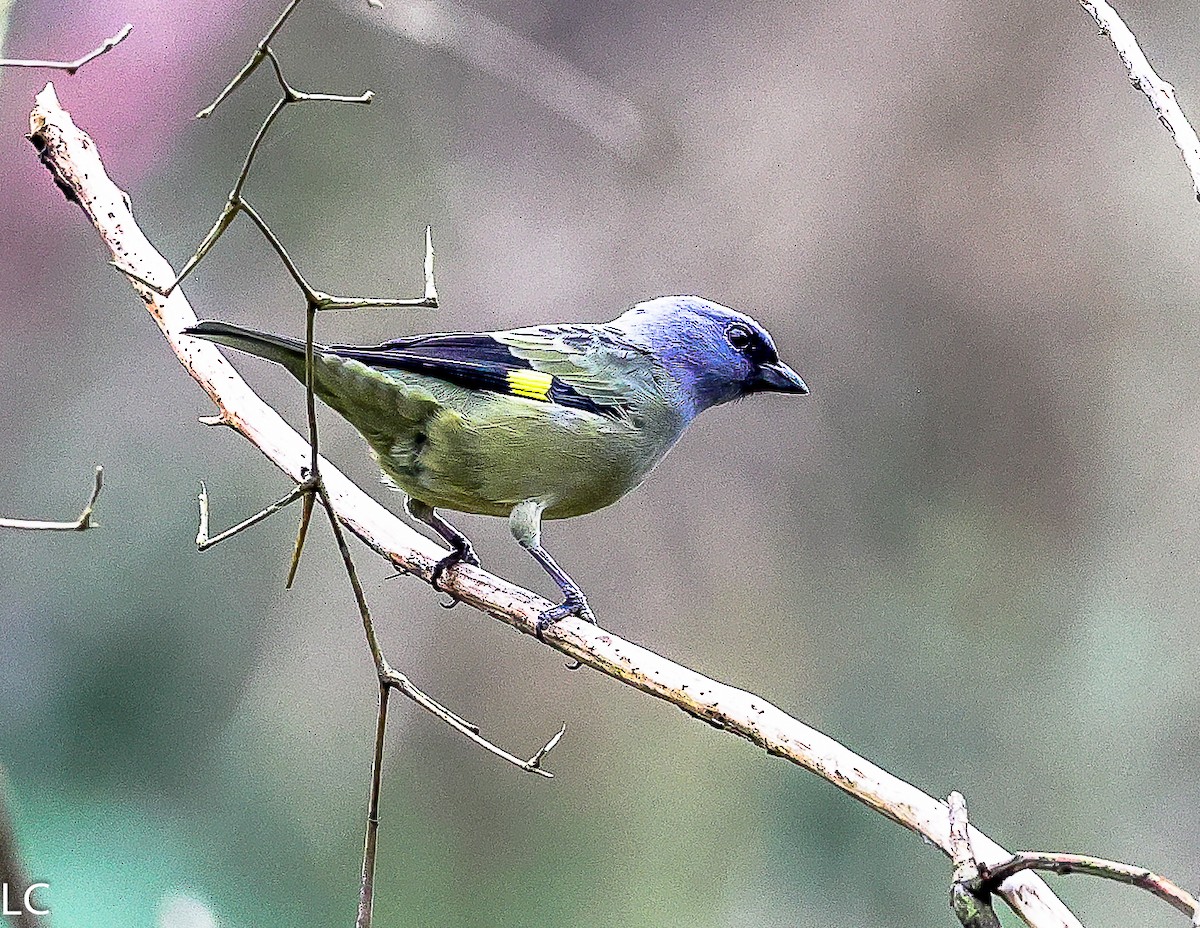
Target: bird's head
[713,353]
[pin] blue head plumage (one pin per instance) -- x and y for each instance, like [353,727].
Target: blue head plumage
[713,353]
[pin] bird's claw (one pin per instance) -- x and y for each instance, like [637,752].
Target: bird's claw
[465,555]
[457,556]
[573,605]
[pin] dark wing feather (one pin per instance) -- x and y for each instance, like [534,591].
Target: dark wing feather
[472,361]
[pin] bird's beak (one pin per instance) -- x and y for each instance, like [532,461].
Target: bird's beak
[779,378]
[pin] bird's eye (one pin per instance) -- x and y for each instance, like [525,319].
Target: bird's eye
[739,336]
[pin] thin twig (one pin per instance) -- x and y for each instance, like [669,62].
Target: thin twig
[1144,78]
[82,523]
[366,893]
[389,676]
[312,487]
[301,534]
[204,542]
[73,159]
[70,66]
[250,66]
[993,875]
[405,686]
[236,201]
[314,438]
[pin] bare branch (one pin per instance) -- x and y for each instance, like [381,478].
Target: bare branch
[366,892]
[74,161]
[973,885]
[389,676]
[961,852]
[313,486]
[1144,78]
[204,542]
[80,524]
[236,202]
[995,874]
[533,765]
[70,66]
[250,66]
[325,301]
[301,535]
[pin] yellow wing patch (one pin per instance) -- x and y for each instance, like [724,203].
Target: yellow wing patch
[533,385]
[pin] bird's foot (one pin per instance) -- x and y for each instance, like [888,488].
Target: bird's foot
[574,604]
[463,555]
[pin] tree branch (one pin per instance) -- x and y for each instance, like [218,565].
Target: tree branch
[70,66]
[1140,877]
[1144,78]
[73,160]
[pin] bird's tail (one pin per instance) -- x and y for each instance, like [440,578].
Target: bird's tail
[278,348]
[379,406]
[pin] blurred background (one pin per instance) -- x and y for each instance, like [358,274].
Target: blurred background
[971,554]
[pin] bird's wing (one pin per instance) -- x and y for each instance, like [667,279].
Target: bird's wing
[580,366]
[596,361]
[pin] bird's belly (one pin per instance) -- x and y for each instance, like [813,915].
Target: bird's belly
[489,459]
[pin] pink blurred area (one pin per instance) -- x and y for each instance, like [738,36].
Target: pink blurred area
[139,91]
[136,100]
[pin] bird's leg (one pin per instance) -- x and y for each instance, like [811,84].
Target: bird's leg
[574,602]
[460,546]
[526,525]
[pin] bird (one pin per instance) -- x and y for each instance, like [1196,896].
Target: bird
[535,423]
